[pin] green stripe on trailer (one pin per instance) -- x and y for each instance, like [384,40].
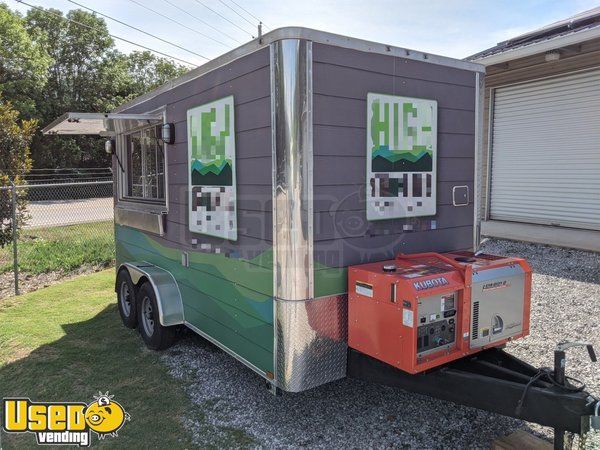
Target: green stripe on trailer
[226,298]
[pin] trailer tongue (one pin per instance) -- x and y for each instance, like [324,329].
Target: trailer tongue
[434,324]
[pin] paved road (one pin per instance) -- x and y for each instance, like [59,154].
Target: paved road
[68,212]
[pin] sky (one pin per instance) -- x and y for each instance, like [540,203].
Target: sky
[455,28]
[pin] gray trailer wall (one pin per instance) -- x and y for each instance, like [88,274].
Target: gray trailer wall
[248,80]
[342,78]
[227,288]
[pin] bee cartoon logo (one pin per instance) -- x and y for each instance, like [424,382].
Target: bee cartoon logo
[60,423]
[105,416]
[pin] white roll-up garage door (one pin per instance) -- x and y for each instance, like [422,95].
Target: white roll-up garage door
[546,152]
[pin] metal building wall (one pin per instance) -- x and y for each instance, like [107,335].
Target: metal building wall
[545,161]
[579,57]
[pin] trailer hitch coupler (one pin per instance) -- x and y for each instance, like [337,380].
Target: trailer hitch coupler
[560,363]
[595,422]
[591,352]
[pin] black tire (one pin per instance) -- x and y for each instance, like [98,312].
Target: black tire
[126,299]
[155,336]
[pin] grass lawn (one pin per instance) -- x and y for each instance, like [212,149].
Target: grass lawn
[63,248]
[66,343]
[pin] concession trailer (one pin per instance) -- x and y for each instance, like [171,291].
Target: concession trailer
[307,202]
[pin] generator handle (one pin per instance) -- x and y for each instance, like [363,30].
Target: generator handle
[443,258]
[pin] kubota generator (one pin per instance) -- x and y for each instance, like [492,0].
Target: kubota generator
[420,311]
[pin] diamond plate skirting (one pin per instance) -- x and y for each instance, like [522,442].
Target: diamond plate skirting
[311,344]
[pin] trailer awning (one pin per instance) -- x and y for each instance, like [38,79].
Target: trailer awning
[103,124]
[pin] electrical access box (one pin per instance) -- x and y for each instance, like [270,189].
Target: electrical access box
[420,311]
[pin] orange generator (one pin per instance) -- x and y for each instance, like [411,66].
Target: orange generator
[420,311]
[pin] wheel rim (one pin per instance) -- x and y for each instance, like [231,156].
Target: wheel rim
[147,316]
[125,299]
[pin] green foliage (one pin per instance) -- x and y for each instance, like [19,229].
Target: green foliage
[148,71]
[23,63]
[15,138]
[80,78]
[51,64]
[62,248]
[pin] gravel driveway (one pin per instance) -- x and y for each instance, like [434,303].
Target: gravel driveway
[355,414]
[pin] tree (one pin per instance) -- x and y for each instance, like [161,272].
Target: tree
[23,63]
[148,71]
[69,63]
[15,139]
[80,78]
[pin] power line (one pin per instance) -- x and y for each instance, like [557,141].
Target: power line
[138,29]
[111,35]
[223,17]
[201,21]
[248,12]
[228,6]
[180,24]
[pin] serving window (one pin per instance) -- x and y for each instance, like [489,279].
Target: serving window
[143,179]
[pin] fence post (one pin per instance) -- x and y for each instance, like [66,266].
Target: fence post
[15,235]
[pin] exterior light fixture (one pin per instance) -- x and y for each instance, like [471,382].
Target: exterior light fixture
[552,55]
[168,133]
[109,148]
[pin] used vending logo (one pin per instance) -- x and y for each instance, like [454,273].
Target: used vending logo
[428,284]
[60,423]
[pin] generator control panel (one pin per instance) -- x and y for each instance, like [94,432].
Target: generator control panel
[437,323]
[417,312]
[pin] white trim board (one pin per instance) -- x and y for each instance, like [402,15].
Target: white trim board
[543,234]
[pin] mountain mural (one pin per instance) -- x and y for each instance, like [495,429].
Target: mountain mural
[416,160]
[213,174]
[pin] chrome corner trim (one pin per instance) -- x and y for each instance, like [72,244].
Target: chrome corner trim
[312,342]
[292,148]
[141,220]
[478,157]
[168,297]
[309,334]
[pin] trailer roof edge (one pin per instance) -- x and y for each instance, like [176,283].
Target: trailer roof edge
[317,36]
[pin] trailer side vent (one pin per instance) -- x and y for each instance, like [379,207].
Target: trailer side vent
[475,321]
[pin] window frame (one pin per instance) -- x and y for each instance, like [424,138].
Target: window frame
[139,203]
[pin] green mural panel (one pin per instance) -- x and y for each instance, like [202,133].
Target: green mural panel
[330,281]
[214,299]
[243,347]
[252,274]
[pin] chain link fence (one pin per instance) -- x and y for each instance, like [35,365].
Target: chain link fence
[61,228]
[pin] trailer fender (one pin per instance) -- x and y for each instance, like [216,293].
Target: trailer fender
[168,297]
